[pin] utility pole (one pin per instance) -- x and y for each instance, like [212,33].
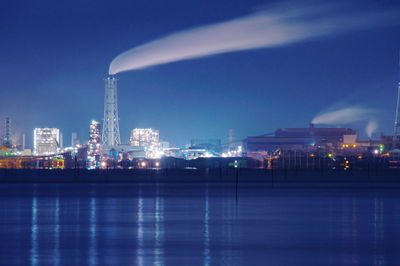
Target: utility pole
[396,128]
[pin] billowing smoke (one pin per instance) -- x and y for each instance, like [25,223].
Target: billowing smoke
[345,115]
[279,25]
[371,127]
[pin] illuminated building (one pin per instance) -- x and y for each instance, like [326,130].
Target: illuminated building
[95,132]
[7,133]
[238,152]
[94,144]
[145,137]
[298,139]
[192,153]
[46,141]
[149,139]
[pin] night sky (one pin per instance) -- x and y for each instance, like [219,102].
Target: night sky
[54,56]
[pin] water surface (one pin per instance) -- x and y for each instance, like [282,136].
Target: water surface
[197,224]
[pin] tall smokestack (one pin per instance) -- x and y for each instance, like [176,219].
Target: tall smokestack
[61,144]
[110,136]
[23,141]
[230,140]
[74,139]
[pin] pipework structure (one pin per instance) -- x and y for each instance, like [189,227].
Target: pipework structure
[396,130]
[7,142]
[111,136]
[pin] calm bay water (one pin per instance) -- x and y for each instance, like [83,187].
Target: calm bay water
[197,224]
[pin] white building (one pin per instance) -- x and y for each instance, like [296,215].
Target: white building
[74,139]
[46,141]
[145,137]
[148,139]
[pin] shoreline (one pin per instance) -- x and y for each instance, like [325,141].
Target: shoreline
[218,175]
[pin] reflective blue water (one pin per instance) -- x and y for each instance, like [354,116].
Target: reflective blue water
[202,224]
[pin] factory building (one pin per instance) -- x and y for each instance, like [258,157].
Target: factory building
[148,139]
[7,142]
[208,144]
[145,137]
[47,141]
[94,149]
[95,135]
[298,139]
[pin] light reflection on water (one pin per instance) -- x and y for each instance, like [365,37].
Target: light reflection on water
[159,229]
[34,256]
[202,224]
[56,258]
[207,257]
[140,231]
[92,257]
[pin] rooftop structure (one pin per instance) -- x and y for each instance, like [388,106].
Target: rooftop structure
[298,138]
[208,144]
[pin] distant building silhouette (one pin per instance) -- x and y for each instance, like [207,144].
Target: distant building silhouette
[298,139]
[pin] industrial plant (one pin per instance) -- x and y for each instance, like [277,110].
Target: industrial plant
[291,148]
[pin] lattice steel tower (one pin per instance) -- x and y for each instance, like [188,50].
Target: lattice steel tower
[110,136]
[396,130]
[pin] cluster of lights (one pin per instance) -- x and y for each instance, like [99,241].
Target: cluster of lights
[145,164]
[192,154]
[149,139]
[346,164]
[380,150]
[235,153]
[94,144]
[330,155]
[349,145]
[144,137]
[154,152]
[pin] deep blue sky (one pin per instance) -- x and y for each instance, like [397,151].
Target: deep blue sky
[54,56]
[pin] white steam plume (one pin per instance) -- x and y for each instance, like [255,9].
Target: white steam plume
[371,127]
[344,116]
[279,25]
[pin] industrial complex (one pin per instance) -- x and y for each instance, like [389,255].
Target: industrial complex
[308,147]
